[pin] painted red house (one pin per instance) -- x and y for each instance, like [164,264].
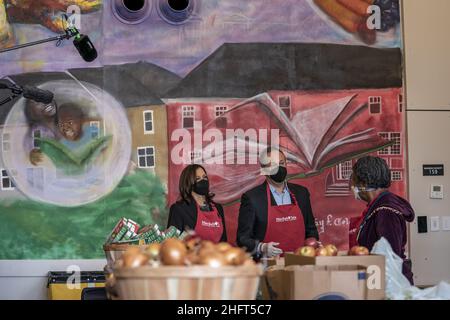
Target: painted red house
[327,114]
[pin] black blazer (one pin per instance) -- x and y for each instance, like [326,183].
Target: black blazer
[183,215]
[252,223]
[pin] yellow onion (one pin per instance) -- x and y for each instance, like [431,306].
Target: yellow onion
[249,262]
[207,244]
[173,252]
[135,260]
[206,251]
[234,256]
[192,243]
[223,246]
[153,250]
[191,258]
[213,260]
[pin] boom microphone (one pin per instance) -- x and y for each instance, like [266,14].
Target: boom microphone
[83,44]
[29,92]
[37,94]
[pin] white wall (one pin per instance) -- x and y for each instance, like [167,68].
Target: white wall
[27,279]
[427,65]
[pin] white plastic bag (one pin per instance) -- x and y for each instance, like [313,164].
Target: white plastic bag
[398,286]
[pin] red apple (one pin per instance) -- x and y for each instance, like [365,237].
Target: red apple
[306,251]
[332,250]
[358,251]
[312,242]
[322,251]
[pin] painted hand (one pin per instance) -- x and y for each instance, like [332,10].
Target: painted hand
[35,156]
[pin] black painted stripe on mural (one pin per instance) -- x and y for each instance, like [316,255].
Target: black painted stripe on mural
[246,69]
[427,110]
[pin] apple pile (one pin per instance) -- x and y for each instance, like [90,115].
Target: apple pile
[314,248]
[358,251]
[193,251]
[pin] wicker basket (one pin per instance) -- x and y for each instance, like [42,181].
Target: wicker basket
[187,283]
[113,252]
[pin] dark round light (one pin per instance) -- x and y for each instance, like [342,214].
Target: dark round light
[131,11]
[178,5]
[134,5]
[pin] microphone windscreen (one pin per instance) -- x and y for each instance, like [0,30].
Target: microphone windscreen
[86,48]
[4,86]
[37,94]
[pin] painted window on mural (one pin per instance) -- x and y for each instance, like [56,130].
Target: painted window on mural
[344,170]
[7,183]
[196,156]
[396,175]
[394,149]
[148,122]
[146,157]
[6,145]
[95,129]
[285,104]
[221,121]
[400,103]
[188,117]
[375,105]
[36,136]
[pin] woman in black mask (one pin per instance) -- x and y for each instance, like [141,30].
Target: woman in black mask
[195,209]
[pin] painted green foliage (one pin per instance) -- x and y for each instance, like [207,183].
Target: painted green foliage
[33,230]
[73,162]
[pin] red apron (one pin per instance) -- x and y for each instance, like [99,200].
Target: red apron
[285,225]
[209,224]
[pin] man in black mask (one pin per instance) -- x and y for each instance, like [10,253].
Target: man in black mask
[275,217]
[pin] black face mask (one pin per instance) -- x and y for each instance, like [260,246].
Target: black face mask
[201,187]
[280,176]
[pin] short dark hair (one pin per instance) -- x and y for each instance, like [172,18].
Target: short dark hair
[267,151]
[70,109]
[372,172]
[187,181]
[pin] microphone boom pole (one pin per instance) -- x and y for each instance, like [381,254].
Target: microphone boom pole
[81,42]
[30,44]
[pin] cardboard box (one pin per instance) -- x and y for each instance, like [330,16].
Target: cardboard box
[374,264]
[314,283]
[269,262]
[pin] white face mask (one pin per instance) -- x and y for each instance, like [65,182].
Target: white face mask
[356,191]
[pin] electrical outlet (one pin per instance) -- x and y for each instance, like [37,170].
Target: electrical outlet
[446,223]
[434,224]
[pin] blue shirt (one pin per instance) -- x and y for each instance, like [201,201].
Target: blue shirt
[281,198]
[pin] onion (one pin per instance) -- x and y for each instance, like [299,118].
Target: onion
[153,250]
[173,252]
[191,258]
[234,256]
[213,260]
[193,243]
[223,246]
[206,251]
[207,245]
[135,260]
[249,262]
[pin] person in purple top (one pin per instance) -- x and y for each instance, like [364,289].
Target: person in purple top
[386,214]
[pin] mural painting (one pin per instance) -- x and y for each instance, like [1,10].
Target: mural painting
[211,75]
